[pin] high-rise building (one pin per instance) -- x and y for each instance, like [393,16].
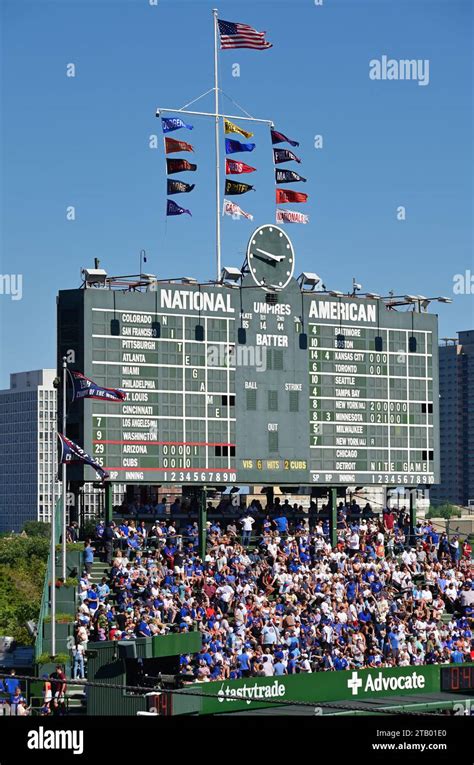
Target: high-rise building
[27,444]
[456,389]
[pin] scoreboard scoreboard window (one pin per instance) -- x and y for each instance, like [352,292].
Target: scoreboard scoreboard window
[355,404]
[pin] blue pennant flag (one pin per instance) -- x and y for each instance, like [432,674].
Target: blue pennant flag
[71,452]
[84,387]
[173,123]
[231,147]
[173,209]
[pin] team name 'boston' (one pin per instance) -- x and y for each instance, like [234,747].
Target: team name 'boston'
[327,309]
[196,301]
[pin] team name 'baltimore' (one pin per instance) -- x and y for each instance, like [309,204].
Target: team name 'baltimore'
[327,309]
[196,301]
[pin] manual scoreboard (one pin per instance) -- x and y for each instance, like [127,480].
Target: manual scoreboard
[255,382]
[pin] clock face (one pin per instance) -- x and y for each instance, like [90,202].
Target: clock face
[270,257]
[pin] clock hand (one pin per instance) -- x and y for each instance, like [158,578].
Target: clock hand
[278,258]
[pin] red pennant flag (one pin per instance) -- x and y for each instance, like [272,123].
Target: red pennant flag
[232,167]
[287,195]
[172,145]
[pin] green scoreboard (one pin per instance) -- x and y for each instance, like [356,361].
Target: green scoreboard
[253,382]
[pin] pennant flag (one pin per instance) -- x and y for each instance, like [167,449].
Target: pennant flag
[290,216]
[178,166]
[171,145]
[232,209]
[280,138]
[231,147]
[287,195]
[287,176]
[232,187]
[84,387]
[71,452]
[173,209]
[173,123]
[232,167]
[235,35]
[284,155]
[229,127]
[178,187]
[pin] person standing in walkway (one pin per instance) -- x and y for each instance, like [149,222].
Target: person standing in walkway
[108,537]
[78,657]
[247,523]
[58,683]
[88,556]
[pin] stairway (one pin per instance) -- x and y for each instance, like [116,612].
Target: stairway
[76,698]
[99,569]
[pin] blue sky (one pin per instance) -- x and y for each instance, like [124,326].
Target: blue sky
[84,141]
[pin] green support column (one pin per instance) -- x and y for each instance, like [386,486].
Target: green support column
[202,520]
[333,516]
[412,515]
[108,502]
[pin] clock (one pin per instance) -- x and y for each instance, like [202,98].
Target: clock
[270,257]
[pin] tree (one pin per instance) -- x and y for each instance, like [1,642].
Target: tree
[444,511]
[22,570]
[37,529]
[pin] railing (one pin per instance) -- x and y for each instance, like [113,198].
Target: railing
[44,609]
[45,597]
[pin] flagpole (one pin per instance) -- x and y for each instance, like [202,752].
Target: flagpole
[64,474]
[216,116]
[53,545]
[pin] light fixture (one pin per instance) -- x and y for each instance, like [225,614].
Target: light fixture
[309,279]
[411,298]
[188,280]
[372,295]
[444,300]
[336,293]
[230,274]
[94,276]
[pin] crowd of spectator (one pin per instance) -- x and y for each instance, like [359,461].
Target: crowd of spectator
[272,597]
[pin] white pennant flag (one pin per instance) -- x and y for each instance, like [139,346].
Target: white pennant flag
[291,216]
[230,208]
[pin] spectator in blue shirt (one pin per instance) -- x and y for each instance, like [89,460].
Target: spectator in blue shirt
[11,684]
[88,556]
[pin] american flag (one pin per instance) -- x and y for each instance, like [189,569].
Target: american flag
[235,35]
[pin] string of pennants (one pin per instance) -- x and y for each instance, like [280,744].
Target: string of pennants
[234,167]
[236,35]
